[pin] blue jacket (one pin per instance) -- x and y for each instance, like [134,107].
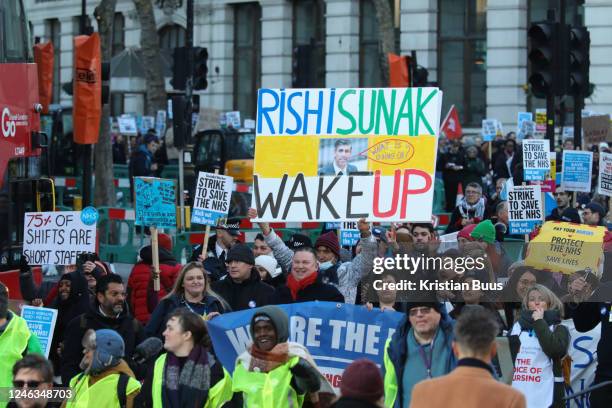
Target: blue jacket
[398,350]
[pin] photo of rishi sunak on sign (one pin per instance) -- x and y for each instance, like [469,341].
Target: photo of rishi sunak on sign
[345,154]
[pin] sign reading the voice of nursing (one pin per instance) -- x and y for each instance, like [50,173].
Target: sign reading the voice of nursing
[41,322]
[576,173]
[344,154]
[335,334]
[213,194]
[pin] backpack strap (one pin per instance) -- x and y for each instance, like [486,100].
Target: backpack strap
[122,389]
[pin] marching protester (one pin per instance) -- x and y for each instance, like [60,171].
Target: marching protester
[593,214]
[192,291]
[274,370]
[563,199]
[538,343]
[472,384]
[106,380]
[187,374]
[141,277]
[305,282]
[260,247]
[269,271]
[451,164]
[471,210]
[421,348]
[586,316]
[214,257]
[108,311]
[361,387]
[33,373]
[242,288]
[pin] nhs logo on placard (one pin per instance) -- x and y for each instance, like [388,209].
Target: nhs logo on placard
[89,215]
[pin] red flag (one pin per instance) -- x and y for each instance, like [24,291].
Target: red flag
[451,125]
[398,71]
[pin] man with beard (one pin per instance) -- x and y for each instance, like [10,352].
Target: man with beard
[563,199]
[107,312]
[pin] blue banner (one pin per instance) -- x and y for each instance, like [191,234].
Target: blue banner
[334,333]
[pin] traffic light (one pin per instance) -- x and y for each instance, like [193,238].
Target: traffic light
[179,68]
[579,62]
[105,77]
[544,59]
[179,121]
[200,68]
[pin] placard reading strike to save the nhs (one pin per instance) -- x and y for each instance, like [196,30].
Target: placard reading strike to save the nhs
[213,194]
[57,237]
[344,154]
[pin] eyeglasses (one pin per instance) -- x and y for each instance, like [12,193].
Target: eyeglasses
[29,384]
[420,310]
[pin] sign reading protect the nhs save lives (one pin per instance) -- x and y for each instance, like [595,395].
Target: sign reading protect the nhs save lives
[345,154]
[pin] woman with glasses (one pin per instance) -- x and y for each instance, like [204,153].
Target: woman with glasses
[191,291]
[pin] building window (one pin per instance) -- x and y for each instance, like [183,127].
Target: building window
[247,57]
[462,51]
[118,44]
[53,33]
[309,43]
[172,36]
[369,50]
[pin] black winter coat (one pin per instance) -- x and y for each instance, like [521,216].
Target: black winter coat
[128,327]
[317,291]
[244,295]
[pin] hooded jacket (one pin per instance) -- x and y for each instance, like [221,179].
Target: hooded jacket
[244,295]
[128,327]
[140,276]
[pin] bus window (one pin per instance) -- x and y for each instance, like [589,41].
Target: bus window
[13,35]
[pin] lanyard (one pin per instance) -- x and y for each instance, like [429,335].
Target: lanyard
[193,311]
[427,361]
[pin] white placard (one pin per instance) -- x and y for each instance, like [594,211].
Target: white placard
[604,184]
[213,194]
[536,159]
[525,210]
[56,238]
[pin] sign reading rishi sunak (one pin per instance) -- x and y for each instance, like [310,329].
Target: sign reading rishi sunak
[344,154]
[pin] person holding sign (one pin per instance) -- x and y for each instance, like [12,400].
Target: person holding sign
[16,340]
[593,214]
[273,371]
[192,291]
[538,343]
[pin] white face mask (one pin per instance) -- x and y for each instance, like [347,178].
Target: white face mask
[325,265]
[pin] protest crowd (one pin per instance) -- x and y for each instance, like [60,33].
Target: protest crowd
[240,324]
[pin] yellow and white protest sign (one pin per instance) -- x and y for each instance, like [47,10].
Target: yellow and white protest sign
[566,247]
[344,154]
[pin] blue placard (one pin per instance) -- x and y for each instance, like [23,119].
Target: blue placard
[89,215]
[206,217]
[155,202]
[334,333]
[41,322]
[333,225]
[576,174]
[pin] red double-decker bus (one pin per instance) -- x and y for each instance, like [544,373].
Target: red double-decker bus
[22,186]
